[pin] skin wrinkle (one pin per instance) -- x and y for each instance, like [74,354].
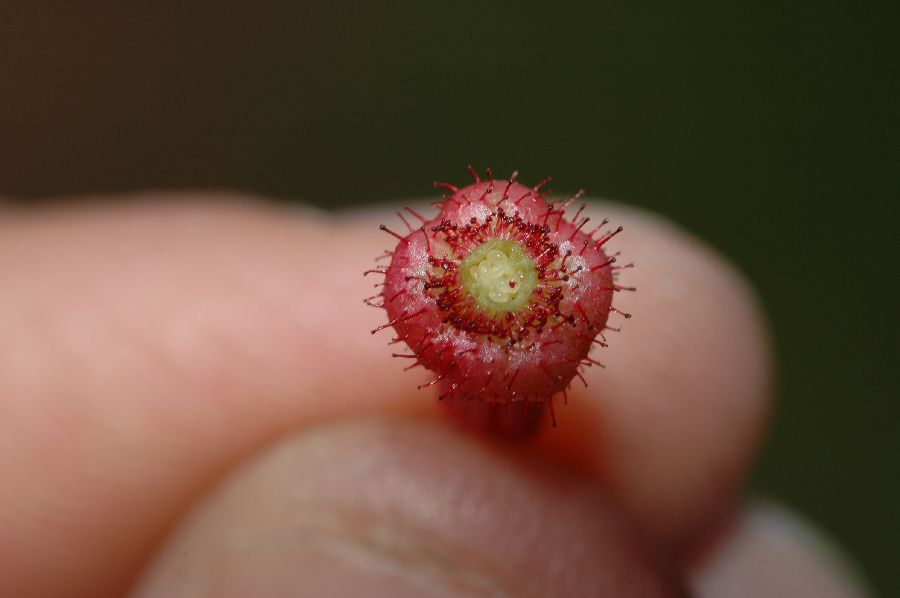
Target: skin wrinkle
[393,534]
[389,543]
[416,513]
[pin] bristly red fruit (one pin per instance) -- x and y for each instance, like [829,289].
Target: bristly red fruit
[500,295]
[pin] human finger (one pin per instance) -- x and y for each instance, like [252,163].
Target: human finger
[768,551]
[158,342]
[402,508]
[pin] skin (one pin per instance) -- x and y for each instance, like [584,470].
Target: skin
[191,404]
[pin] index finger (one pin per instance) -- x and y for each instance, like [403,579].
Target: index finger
[147,347]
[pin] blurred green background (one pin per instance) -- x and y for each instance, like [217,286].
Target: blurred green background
[769,130]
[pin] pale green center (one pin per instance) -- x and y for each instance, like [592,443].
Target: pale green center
[499,275]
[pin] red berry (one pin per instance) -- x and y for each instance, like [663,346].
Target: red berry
[499,294]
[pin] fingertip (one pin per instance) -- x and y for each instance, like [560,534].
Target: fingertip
[674,419]
[770,551]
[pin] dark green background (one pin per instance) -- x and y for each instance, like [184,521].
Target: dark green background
[769,130]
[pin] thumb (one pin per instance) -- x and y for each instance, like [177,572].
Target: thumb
[401,508]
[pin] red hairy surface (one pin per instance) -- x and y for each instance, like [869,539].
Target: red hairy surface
[522,355]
